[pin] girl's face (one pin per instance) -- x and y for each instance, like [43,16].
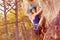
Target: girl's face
[33,10]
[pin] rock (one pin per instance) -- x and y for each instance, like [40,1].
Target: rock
[53,32]
[52,13]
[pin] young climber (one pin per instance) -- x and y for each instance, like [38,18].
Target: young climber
[38,19]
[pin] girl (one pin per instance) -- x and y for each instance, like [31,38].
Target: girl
[38,20]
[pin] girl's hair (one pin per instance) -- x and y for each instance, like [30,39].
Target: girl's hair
[35,10]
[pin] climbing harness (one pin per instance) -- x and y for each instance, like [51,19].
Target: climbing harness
[37,29]
[36,26]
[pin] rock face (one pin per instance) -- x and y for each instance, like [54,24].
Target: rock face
[52,13]
[53,32]
[51,8]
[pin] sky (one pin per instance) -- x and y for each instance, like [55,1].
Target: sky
[1,3]
[1,7]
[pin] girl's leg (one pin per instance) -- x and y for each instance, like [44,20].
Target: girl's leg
[42,21]
[42,25]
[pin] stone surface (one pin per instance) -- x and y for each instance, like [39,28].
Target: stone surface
[52,13]
[53,32]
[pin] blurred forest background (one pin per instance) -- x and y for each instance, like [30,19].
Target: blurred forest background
[24,24]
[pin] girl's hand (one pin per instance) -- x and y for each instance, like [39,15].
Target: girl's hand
[38,8]
[40,11]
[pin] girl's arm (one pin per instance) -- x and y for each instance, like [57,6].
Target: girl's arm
[39,12]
